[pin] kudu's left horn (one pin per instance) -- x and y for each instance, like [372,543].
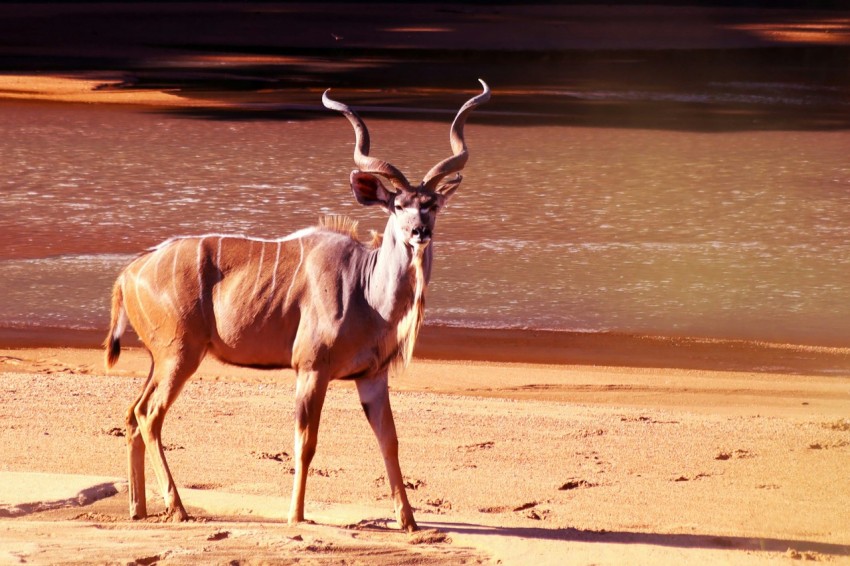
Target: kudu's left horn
[456,162]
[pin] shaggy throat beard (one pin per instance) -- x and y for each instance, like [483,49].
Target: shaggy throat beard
[418,246]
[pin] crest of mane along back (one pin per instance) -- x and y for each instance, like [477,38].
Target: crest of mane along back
[340,224]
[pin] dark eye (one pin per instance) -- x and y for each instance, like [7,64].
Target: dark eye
[398,207]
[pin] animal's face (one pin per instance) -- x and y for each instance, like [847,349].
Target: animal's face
[413,212]
[413,209]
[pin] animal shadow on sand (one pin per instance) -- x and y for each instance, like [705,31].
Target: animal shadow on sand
[655,539]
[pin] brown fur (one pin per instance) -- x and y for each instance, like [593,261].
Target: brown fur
[376,239]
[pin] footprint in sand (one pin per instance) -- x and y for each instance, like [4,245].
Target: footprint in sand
[841,425]
[440,505]
[699,476]
[114,431]
[529,510]
[276,456]
[475,447]
[538,514]
[219,535]
[809,556]
[148,560]
[734,454]
[576,484]
[429,536]
[323,472]
[826,446]
[204,485]
[55,365]
[94,517]
[532,511]
[493,509]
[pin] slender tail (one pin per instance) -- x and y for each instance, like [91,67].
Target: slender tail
[117,325]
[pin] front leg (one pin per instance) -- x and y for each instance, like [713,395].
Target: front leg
[375,398]
[310,392]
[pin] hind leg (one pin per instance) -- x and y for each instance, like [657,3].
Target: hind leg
[136,456]
[310,391]
[169,375]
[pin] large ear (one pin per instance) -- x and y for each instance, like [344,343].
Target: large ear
[369,190]
[447,188]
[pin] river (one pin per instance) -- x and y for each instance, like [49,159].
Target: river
[740,235]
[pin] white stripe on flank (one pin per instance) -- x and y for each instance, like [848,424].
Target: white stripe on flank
[164,297]
[218,265]
[299,234]
[138,283]
[294,236]
[274,271]
[176,298]
[201,278]
[259,269]
[144,266]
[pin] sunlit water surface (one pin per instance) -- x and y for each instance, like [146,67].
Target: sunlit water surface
[733,235]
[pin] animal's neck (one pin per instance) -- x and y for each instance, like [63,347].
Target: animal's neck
[396,290]
[398,277]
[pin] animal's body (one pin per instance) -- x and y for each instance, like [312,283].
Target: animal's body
[319,301]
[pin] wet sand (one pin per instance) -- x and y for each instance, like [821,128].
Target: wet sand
[443,343]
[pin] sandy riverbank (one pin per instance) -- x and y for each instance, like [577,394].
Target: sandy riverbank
[508,462]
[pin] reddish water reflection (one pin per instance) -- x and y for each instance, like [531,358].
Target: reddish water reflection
[739,235]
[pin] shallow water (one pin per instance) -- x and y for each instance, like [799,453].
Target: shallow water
[734,235]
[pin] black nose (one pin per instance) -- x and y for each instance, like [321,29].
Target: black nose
[423,232]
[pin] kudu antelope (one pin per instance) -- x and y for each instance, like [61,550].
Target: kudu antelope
[318,301]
